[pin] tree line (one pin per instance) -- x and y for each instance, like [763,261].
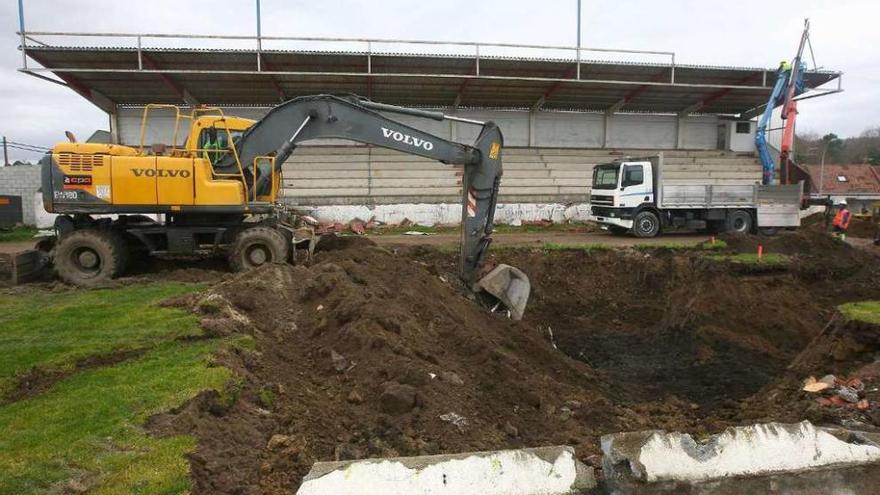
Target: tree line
[865,148]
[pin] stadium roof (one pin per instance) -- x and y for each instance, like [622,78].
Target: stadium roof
[136,75]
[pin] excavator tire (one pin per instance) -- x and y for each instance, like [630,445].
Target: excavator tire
[257,246]
[90,257]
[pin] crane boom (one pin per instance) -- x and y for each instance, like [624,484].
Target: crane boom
[789,84]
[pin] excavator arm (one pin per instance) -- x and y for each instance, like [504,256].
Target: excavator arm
[352,118]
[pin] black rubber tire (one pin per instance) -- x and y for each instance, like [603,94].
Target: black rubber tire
[614,230]
[257,246]
[90,257]
[739,222]
[646,224]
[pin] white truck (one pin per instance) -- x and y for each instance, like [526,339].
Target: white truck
[629,195]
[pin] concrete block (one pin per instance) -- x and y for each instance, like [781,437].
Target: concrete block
[758,456]
[545,471]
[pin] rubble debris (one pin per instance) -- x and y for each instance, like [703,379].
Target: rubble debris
[742,460]
[456,419]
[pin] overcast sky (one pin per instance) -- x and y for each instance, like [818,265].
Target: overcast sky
[752,33]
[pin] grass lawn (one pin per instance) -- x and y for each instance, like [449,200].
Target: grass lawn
[54,330]
[867,311]
[17,234]
[87,426]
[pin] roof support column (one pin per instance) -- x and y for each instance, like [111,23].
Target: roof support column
[114,125]
[606,134]
[532,125]
[679,131]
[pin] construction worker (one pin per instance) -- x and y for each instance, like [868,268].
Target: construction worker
[841,220]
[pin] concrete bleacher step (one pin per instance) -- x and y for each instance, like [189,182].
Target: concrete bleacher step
[353,175]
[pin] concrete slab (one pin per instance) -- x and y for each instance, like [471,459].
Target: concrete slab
[544,470]
[770,457]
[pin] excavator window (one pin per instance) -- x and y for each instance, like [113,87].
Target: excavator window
[214,142]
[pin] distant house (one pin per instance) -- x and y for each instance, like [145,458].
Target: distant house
[859,185]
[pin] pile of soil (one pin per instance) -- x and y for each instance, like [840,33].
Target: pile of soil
[846,349]
[367,354]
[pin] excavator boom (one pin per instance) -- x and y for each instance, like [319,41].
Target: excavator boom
[353,118]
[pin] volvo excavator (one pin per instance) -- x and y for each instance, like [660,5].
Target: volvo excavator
[220,190]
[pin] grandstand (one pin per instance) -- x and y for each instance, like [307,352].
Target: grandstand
[562,109]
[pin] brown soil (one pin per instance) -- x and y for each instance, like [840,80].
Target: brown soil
[845,349]
[372,354]
[369,354]
[38,380]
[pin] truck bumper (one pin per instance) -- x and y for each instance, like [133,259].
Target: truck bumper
[617,217]
[609,221]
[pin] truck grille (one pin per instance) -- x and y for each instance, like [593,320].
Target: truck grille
[80,163]
[602,200]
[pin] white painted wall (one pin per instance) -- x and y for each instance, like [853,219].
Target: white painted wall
[550,129]
[741,142]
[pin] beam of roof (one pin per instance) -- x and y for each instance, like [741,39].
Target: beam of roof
[460,92]
[721,93]
[634,92]
[96,97]
[278,89]
[552,89]
[169,81]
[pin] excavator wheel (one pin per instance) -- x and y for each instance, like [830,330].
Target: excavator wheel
[257,246]
[90,257]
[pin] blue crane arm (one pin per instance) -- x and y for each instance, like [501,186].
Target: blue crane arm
[767,163]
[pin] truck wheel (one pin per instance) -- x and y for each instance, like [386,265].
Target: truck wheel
[90,257]
[740,222]
[258,246]
[646,224]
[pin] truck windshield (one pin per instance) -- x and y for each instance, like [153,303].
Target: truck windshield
[605,176]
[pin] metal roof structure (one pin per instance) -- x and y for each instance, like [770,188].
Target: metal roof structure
[483,76]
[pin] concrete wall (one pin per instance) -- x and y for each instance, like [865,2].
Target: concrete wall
[741,142]
[24,181]
[521,128]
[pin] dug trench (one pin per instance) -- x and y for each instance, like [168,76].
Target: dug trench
[376,353]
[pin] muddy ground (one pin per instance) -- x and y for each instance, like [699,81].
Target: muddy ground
[371,353]
[377,352]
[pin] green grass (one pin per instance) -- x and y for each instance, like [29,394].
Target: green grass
[769,259]
[88,425]
[54,330]
[867,311]
[17,234]
[588,247]
[718,245]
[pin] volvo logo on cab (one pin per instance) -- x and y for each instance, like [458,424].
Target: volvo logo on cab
[407,139]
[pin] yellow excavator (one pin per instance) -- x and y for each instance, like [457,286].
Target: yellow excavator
[220,190]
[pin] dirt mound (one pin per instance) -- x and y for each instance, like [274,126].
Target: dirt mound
[369,354]
[845,349]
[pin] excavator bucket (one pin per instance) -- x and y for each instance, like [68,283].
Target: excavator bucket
[510,286]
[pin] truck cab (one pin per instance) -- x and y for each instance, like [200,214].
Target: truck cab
[620,190]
